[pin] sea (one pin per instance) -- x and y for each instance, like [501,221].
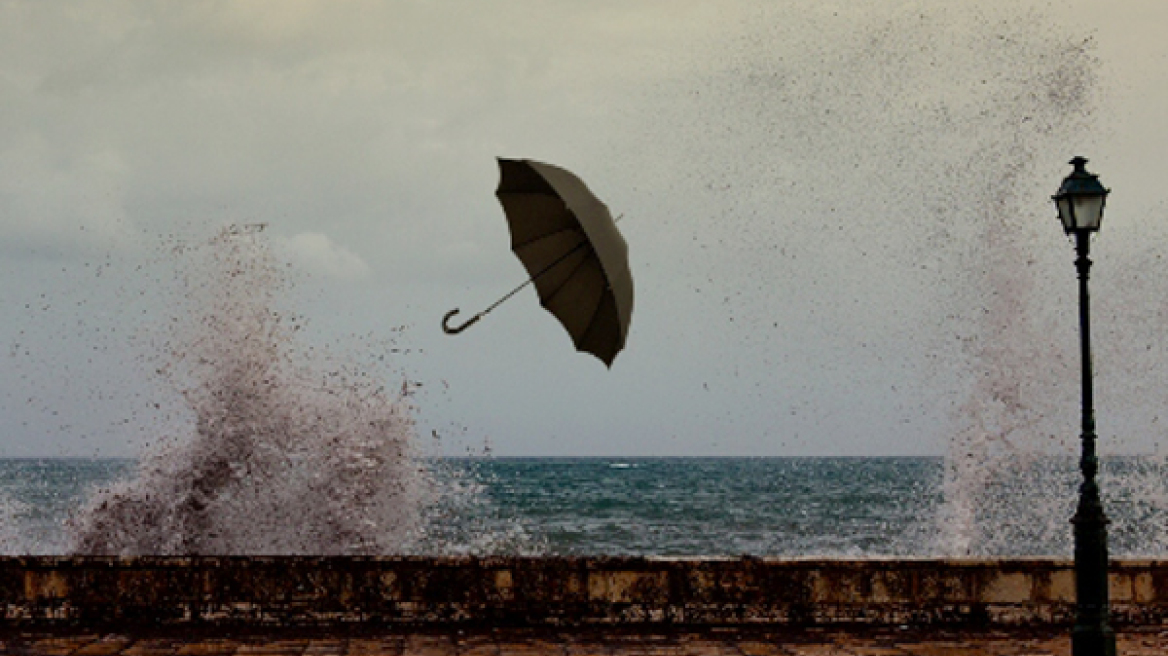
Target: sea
[792,507]
[266,443]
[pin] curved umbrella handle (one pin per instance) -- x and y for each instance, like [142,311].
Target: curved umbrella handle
[457,329]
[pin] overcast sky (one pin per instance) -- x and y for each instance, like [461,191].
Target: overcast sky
[837,213]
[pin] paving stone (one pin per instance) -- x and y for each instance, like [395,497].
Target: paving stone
[1143,640]
[653,645]
[326,647]
[522,648]
[817,649]
[492,649]
[428,646]
[880,648]
[633,649]
[62,646]
[1141,646]
[760,648]
[214,647]
[588,645]
[701,647]
[950,648]
[152,647]
[586,648]
[376,647]
[107,646]
[272,647]
[1047,647]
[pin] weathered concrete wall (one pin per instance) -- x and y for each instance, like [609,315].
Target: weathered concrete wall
[306,591]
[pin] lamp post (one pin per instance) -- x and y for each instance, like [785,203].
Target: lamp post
[1080,202]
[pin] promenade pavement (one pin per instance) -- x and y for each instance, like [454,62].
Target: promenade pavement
[1145,641]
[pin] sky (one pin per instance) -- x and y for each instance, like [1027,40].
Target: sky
[837,213]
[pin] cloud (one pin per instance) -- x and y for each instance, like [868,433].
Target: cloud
[64,203]
[318,254]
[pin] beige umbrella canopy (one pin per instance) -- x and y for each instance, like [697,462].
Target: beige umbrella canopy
[570,246]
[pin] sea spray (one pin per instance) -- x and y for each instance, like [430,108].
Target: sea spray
[901,279]
[13,540]
[284,449]
[979,141]
[1002,494]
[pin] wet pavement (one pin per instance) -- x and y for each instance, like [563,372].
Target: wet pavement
[1144,641]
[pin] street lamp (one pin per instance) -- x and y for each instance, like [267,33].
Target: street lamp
[1080,202]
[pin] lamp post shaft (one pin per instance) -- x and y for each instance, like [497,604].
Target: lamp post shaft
[1092,635]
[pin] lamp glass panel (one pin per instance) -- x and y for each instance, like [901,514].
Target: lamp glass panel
[1066,212]
[1088,212]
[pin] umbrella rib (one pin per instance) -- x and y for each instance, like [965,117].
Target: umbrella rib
[591,322]
[564,282]
[544,236]
[533,278]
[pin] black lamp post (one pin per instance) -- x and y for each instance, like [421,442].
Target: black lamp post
[1080,202]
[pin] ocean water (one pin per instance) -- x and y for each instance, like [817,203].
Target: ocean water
[841,507]
[698,506]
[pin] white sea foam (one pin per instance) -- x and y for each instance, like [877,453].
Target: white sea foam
[287,450]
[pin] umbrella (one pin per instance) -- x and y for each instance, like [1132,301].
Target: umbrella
[571,248]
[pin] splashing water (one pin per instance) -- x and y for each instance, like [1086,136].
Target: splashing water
[904,153]
[290,453]
[12,539]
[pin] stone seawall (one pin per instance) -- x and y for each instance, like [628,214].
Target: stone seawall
[552,591]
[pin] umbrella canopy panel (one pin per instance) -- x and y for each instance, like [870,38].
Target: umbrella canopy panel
[568,242]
